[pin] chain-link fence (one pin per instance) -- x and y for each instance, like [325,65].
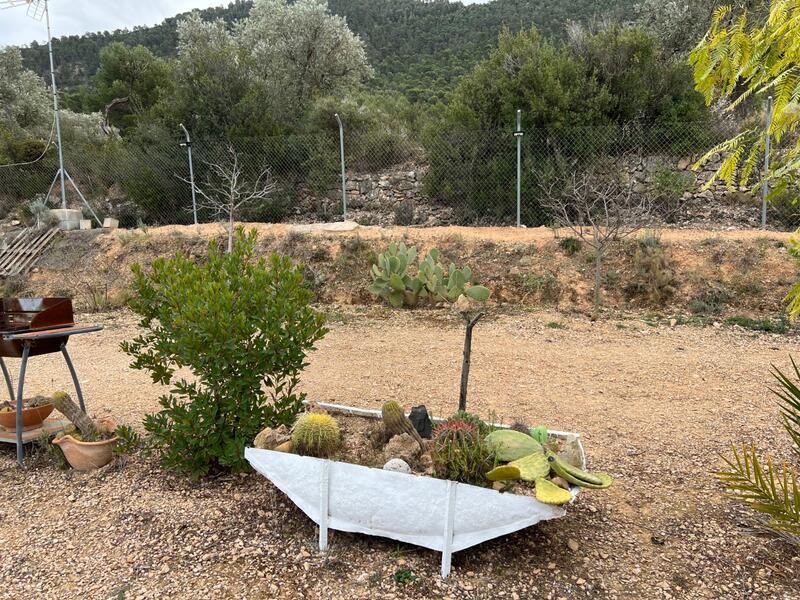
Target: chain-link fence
[435,177]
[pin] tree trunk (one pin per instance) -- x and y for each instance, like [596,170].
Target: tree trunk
[598,273]
[76,416]
[598,277]
[462,397]
[230,231]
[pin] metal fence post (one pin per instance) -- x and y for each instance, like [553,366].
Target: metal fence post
[518,135]
[765,182]
[188,144]
[344,178]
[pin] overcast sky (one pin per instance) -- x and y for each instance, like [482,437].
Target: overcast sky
[70,17]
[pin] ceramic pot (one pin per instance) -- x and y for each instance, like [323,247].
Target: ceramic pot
[85,456]
[31,417]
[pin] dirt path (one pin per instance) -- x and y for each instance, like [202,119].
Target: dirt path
[654,405]
[494,234]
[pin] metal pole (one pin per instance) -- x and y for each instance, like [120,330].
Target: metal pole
[188,145]
[518,135]
[344,177]
[26,350]
[765,183]
[55,107]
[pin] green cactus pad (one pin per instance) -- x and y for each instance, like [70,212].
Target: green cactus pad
[548,492]
[511,445]
[504,473]
[539,434]
[576,476]
[532,467]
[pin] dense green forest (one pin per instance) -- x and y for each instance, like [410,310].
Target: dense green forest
[418,48]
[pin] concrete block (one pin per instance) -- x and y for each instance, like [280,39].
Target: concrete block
[68,218]
[86,223]
[109,223]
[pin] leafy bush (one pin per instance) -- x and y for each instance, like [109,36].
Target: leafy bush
[570,245]
[767,487]
[242,327]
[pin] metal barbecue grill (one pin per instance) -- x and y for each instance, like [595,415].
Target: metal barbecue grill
[31,327]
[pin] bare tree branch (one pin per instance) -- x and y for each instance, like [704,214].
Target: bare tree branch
[227,191]
[598,208]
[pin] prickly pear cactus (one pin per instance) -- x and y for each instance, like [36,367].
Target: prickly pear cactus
[532,467]
[316,434]
[504,473]
[539,434]
[549,493]
[511,445]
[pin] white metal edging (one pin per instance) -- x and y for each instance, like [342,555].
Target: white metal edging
[449,522]
[324,505]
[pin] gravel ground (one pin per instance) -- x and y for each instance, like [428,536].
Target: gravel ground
[655,406]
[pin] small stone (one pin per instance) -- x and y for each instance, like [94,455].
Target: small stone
[573,545]
[285,447]
[397,465]
[269,439]
[561,482]
[402,446]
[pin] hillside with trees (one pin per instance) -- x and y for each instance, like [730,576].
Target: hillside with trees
[265,79]
[418,48]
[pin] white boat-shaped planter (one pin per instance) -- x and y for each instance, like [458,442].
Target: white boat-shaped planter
[447,516]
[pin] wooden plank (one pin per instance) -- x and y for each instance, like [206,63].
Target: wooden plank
[51,426]
[26,248]
[34,251]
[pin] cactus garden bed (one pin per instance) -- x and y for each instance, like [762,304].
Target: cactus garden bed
[466,480]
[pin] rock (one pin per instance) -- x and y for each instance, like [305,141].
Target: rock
[421,421]
[464,304]
[270,438]
[561,482]
[571,452]
[285,447]
[376,434]
[397,465]
[402,446]
[573,545]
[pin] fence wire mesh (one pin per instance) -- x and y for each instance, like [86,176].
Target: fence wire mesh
[437,176]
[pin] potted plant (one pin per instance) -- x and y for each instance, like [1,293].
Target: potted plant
[92,446]
[34,411]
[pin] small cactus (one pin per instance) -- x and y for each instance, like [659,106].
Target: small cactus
[455,429]
[395,422]
[316,434]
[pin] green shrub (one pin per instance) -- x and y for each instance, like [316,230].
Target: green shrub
[710,302]
[242,327]
[766,324]
[570,245]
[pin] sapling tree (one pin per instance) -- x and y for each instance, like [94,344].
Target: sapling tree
[227,190]
[599,209]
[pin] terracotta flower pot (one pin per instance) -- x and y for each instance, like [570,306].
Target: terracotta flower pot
[85,456]
[31,417]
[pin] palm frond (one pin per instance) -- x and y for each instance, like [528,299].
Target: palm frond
[771,490]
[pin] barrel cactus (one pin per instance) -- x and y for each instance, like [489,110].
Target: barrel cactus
[316,434]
